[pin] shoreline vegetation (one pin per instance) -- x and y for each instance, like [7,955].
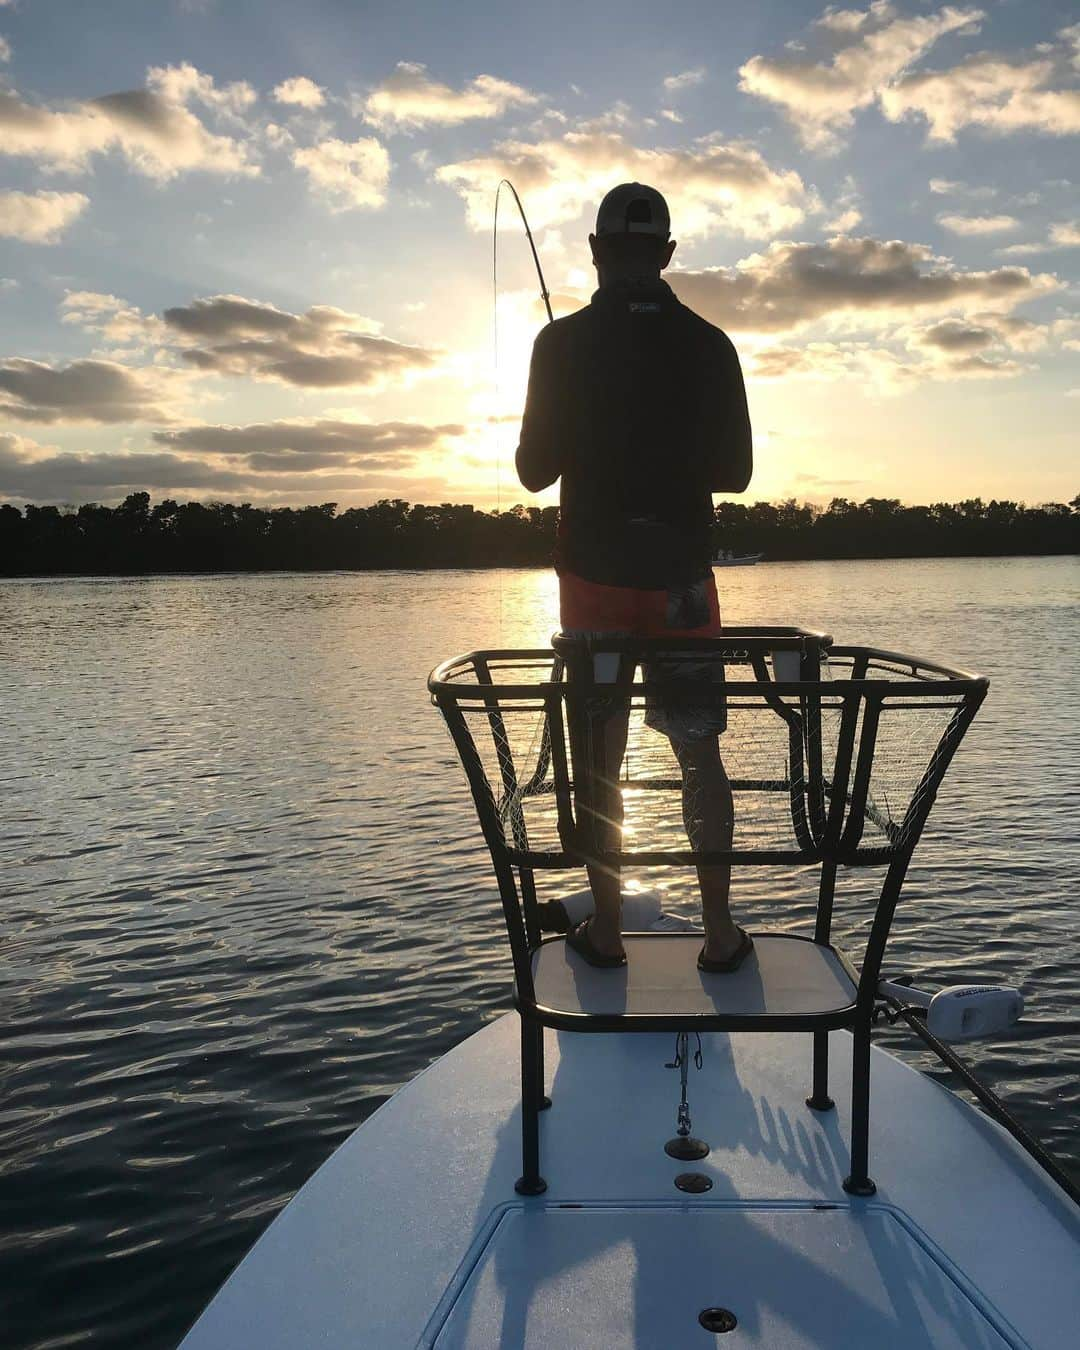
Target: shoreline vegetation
[137,537]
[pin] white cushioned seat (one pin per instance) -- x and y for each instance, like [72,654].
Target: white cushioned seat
[783,976]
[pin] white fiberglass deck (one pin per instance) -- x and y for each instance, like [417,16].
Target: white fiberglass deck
[411,1234]
[782,975]
[558,1279]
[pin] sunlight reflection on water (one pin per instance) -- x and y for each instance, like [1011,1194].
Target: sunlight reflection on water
[245,897]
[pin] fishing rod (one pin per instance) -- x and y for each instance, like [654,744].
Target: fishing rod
[545,293]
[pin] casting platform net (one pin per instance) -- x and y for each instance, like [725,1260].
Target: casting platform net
[828,751]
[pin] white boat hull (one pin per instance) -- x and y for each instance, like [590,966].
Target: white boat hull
[412,1235]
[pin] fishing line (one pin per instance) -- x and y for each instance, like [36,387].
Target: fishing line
[505,182]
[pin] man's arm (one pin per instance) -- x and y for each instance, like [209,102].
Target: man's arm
[734,462]
[539,452]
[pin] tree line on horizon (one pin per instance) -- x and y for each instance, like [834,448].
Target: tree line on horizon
[170,536]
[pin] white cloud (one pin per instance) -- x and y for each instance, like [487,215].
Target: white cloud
[1066,234]
[84,391]
[232,336]
[953,335]
[876,45]
[885,369]
[292,445]
[861,362]
[300,92]
[999,94]
[670,115]
[323,348]
[855,282]
[1022,335]
[1071,36]
[113,319]
[152,128]
[981,367]
[347,174]
[846,221]
[39,217]
[675,84]
[184,84]
[976,225]
[618,118]
[980,332]
[31,472]
[410,98]
[281,138]
[221,317]
[711,185]
[954,188]
[881,313]
[843,20]
[846,212]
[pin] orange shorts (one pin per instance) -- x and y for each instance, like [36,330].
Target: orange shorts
[589,607]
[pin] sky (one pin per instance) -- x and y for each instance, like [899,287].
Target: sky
[246,245]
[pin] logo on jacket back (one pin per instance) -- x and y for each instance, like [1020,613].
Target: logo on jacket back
[644,307]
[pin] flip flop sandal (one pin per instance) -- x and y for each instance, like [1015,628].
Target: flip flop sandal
[578,940]
[731,963]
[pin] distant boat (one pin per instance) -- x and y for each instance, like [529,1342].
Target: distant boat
[728,559]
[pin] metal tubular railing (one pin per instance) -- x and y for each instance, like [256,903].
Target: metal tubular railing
[830,804]
[537,799]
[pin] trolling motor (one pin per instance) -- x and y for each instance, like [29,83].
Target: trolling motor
[961,1012]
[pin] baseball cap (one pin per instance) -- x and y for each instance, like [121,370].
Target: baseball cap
[633,208]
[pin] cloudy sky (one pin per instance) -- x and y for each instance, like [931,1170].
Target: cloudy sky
[245,245]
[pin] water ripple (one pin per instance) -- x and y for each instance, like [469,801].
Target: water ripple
[245,898]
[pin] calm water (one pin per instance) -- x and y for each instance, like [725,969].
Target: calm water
[244,898]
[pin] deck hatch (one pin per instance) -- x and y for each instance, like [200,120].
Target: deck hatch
[795,1279]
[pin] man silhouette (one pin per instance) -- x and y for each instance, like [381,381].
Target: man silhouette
[638,404]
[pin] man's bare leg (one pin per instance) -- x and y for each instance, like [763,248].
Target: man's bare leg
[605,927]
[709,817]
